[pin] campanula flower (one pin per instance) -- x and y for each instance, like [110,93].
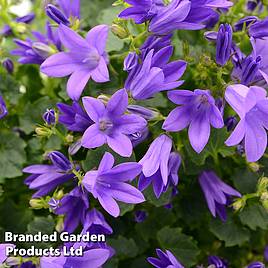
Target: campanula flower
[109,183]
[259,29]
[49,117]
[56,15]
[217,262]
[85,59]
[155,74]
[224,44]
[198,111]
[73,117]
[8,65]
[165,260]
[139,136]
[71,8]
[140,11]
[256,264]
[36,51]
[74,206]
[95,223]
[3,108]
[157,180]
[131,61]
[6,30]
[146,113]
[111,125]
[253,4]
[251,106]
[217,193]
[53,203]
[45,178]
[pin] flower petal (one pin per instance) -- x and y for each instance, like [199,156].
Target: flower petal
[118,103]
[94,108]
[131,123]
[101,73]
[93,137]
[237,135]
[106,163]
[180,96]
[121,144]
[109,204]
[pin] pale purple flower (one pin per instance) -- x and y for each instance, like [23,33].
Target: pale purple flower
[109,183]
[131,61]
[49,117]
[73,117]
[95,223]
[224,44]
[157,180]
[251,104]
[85,59]
[139,136]
[165,260]
[217,262]
[45,178]
[53,203]
[155,74]
[111,125]
[198,111]
[146,113]
[3,108]
[74,206]
[217,193]
[3,256]
[256,264]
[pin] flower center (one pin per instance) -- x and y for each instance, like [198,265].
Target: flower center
[105,125]
[92,59]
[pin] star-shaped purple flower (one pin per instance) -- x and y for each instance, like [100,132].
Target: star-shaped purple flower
[217,193]
[251,104]
[109,183]
[198,110]
[85,59]
[111,125]
[166,260]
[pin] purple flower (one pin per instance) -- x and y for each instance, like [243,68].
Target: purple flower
[198,110]
[3,108]
[166,260]
[253,4]
[230,123]
[266,253]
[140,216]
[93,258]
[8,65]
[259,29]
[26,19]
[139,136]
[74,206]
[157,179]
[53,203]
[71,8]
[217,193]
[108,184]
[73,117]
[131,61]
[45,178]
[140,11]
[6,30]
[251,104]
[247,21]
[224,44]
[36,51]
[256,264]
[155,74]
[146,113]
[27,264]
[85,59]
[111,125]
[217,262]
[95,223]
[3,256]
[56,15]
[49,117]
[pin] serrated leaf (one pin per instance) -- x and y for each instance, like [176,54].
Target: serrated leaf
[254,216]
[229,232]
[181,245]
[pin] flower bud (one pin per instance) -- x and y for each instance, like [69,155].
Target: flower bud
[148,114]
[140,216]
[69,138]
[59,160]
[250,68]
[36,203]
[6,31]
[42,49]
[224,44]
[255,167]
[49,117]
[211,36]
[230,123]
[238,26]
[26,19]
[264,196]
[12,261]
[262,184]
[3,108]
[239,204]
[58,195]
[56,15]
[131,61]
[75,147]
[103,98]
[119,31]
[8,65]
[43,132]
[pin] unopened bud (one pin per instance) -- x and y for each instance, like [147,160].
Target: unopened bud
[119,31]
[58,195]
[239,204]
[43,132]
[12,261]
[131,61]
[75,147]
[36,203]
[262,184]
[60,161]
[264,196]
[42,49]
[8,65]
[146,113]
[49,117]
[69,138]
[57,15]
[255,167]
[103,98]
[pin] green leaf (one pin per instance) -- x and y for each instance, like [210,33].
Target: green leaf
[254,216]
[41,224]
[215,147]
[124,208]
[12,155]
[125,248]
[230,232]
[164,199]
[181,245]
